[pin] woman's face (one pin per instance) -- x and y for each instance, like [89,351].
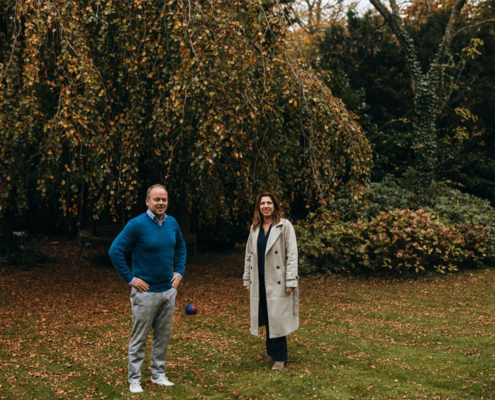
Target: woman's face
[266,206]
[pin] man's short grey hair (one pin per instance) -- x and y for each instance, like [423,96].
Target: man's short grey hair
[153,187]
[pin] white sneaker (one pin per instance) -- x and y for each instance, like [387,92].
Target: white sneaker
[162,381]
[136,387]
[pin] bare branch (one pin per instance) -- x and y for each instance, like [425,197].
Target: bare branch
[395,8]
[454,16]
[435,68]
[487,21]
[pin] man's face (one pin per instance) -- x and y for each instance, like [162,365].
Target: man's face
[157,202]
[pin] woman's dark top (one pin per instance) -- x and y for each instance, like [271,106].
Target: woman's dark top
[262,240]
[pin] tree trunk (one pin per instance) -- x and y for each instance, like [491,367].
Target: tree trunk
[425,134]
[425,88]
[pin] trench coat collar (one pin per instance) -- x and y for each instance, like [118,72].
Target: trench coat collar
[274,234]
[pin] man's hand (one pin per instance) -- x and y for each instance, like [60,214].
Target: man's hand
[289,289]
[140,285]
[176,280]
[247,287]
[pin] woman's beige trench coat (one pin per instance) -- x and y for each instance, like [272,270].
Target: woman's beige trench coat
[280,273]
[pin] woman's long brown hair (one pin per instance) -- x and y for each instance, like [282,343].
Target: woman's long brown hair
[277,210]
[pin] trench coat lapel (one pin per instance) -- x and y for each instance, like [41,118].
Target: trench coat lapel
[256,233]
[274,234]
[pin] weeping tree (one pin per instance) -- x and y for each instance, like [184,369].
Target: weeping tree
[99,99]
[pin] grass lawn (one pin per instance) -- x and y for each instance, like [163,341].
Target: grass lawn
[64,330]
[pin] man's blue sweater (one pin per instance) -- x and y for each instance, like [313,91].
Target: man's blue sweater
[155,249]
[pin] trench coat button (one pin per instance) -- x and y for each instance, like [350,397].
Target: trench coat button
[251,267]
[279,282]
[278,267]
[276,252]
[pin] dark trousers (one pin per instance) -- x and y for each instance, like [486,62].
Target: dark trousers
[275,347]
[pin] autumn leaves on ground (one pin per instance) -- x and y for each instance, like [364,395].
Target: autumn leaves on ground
[64,329]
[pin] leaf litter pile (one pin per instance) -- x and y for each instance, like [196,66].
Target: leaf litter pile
[65,326]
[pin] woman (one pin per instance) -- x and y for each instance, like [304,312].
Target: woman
[270,274]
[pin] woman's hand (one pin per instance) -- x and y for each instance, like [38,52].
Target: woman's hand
[247,287]
[289,290]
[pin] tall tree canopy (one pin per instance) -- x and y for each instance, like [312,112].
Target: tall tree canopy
[424,83]
[101,98]
[371,72]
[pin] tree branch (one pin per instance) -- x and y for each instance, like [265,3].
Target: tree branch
[487,21]
[397,25]
[435,68]
[454,16]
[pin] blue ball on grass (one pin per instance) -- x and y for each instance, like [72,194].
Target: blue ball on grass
[191,309]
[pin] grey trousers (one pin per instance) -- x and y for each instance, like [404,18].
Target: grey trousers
[150,310]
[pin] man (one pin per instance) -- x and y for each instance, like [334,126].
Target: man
[156,244]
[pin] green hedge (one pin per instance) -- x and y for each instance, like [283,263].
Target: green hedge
[400,241]
[451,205]
[457,208]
